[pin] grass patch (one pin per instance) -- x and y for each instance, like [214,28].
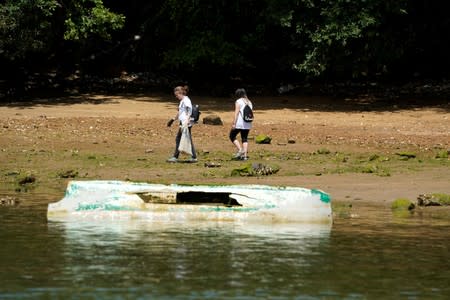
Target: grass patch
[54,166]
[443,154]
[375,169]
[323,151]
[443,199]
[402,204]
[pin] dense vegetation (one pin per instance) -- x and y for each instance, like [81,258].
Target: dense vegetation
[264,41]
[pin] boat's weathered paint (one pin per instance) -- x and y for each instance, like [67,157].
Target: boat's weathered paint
[120,199]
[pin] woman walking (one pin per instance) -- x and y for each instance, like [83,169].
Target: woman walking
[241,123]
[184,117]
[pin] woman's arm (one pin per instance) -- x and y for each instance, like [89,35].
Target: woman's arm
[188,112]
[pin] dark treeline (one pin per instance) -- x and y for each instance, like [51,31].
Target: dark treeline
[208,43]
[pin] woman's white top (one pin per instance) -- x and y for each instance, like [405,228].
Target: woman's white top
[240,123]
[185,109]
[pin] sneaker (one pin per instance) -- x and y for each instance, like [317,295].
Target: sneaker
[244,157]
[193,160]
[238,155]
[173,159]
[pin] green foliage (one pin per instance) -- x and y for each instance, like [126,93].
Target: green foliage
[330,33]
[202,47]
[88,17]
[311,38]
[25,26]
[29,26]
[203,33]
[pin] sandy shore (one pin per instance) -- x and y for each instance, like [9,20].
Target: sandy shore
[49,136]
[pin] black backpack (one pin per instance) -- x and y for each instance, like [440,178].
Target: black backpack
[195,116]
[247,114]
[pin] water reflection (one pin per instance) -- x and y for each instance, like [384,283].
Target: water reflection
[75,228]
[188,258]
[366,254]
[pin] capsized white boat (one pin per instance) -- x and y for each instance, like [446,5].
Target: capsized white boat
[159,202]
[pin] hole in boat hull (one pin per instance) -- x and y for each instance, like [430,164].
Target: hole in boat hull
[204,198]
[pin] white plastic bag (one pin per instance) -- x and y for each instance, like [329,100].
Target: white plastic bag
[185,142]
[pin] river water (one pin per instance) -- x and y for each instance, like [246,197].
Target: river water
[368,253]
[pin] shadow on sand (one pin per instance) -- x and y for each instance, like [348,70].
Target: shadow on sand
[300,103]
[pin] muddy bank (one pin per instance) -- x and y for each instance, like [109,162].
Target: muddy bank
[352,154]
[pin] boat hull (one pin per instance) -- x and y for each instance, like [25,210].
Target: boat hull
[157,202]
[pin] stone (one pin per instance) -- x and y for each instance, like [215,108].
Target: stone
[405,155]
[433,200]
[263,139]
[212,120]
[27,180]
[68,174]
[212,164]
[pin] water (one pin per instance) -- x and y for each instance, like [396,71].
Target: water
[369,254]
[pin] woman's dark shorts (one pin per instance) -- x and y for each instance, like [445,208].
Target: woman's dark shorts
[244,134]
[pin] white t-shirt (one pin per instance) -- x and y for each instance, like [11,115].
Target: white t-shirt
[240,123]
[185,109]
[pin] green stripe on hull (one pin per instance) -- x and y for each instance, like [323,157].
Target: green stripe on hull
[324,197]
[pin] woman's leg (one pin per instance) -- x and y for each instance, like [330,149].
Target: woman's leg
[244,137]
[233,134]
[176,153]
[194,154]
